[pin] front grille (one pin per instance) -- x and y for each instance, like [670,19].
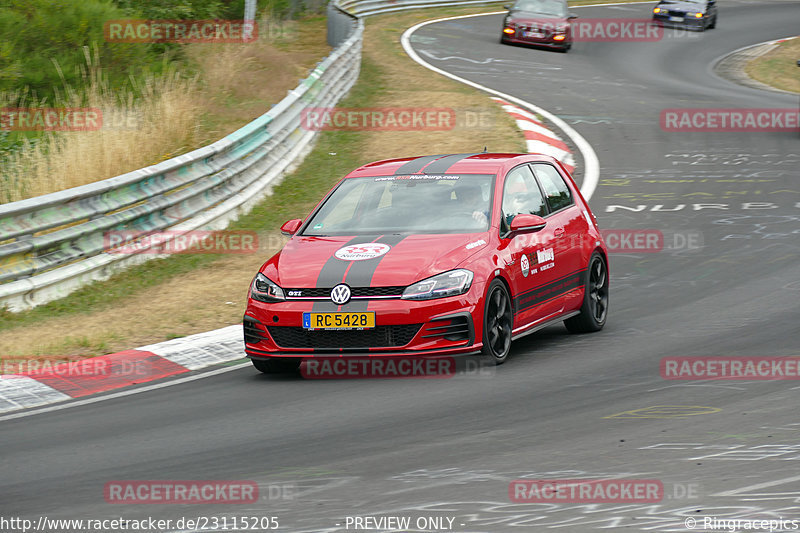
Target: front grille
[355,292]
[452,329]
[377,291]
[252,333]
[543,30]
[377,337]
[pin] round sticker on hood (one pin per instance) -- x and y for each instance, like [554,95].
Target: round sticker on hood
[360,252]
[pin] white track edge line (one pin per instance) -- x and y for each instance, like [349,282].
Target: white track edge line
[591,163]
[121,394]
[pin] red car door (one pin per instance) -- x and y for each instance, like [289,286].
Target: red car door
[570,228]
[529,256]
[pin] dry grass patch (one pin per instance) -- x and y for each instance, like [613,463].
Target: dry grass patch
[243,81]
[134,133]
[778,67]
[173,114]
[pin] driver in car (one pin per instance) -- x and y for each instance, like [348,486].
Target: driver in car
[471,198]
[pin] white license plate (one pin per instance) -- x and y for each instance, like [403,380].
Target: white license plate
[533,34]
[676,19]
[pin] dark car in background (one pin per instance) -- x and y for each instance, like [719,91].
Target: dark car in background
[543,23]
[692,14]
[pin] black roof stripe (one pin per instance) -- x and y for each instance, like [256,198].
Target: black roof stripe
[415,165]
[441,166]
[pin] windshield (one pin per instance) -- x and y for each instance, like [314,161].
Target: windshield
[555,8]
[447,203]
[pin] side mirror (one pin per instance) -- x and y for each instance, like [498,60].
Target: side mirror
[527,224]
[506,6]
[572,16]
[291,226]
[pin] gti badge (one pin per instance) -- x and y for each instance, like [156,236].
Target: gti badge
[340,294]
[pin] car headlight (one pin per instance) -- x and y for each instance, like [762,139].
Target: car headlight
[696,15]
[450,283]
[658,10]
[264,289]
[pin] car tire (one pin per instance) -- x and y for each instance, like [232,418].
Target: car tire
[594,311]
[498,322]
[713,23]
[276,366]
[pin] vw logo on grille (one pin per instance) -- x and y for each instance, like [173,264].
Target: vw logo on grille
[340,294]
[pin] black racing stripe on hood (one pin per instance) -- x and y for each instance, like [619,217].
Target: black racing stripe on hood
[332,274]
[441,166]
[360,274]
[415,165]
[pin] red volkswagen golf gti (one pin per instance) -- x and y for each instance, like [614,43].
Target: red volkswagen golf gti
[433,255]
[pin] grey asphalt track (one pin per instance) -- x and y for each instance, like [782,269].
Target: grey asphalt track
[563,406]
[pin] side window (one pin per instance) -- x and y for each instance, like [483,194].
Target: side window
[558,194]
[521,195]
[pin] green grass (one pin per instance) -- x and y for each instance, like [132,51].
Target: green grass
[778,67]
[292,198]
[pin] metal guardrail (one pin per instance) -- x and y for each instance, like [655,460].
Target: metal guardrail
[365,8]
[53,244]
